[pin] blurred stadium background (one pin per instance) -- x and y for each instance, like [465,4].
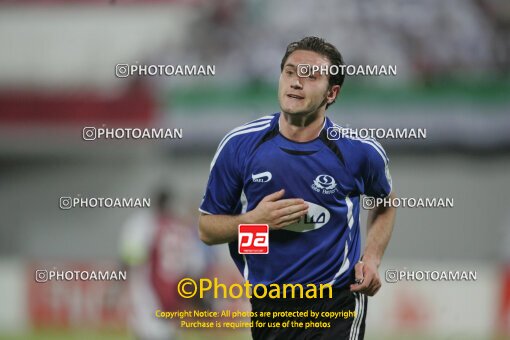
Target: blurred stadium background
[57,76]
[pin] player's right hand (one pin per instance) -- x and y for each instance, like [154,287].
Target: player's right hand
[277,212]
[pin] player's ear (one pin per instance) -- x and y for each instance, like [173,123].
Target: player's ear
[333,93]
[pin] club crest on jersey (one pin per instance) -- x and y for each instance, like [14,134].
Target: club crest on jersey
[325,184]
[262,177]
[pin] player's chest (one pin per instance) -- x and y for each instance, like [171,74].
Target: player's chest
[319,175]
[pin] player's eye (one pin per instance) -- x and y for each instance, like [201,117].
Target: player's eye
[289,72]
[311,76]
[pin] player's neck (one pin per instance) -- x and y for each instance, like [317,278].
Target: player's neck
[301,128]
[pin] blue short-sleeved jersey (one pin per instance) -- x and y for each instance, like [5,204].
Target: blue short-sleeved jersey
[255,160]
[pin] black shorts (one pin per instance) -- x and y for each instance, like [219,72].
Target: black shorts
[323,327]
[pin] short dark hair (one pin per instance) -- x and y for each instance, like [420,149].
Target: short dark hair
[163,198]
[320,46]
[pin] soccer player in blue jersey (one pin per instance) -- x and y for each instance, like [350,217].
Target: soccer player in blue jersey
[284,170]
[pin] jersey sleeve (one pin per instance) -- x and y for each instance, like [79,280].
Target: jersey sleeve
[376,174]
[225,184]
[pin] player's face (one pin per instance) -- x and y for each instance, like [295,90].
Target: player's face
[300,95]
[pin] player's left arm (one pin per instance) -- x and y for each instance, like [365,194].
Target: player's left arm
[377,183]
[379,227]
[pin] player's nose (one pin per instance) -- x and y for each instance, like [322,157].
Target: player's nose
[296,84]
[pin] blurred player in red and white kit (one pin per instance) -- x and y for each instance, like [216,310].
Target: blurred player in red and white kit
[158,251]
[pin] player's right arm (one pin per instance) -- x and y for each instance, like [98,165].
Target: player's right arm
[272,210]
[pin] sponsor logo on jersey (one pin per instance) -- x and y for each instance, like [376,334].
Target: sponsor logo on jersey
[325,184]
[317,217]
[262,177]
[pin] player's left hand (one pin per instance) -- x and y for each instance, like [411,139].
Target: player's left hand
[366,272]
